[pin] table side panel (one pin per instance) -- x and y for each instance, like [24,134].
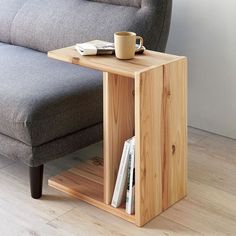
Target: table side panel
[174,132]
[148,170]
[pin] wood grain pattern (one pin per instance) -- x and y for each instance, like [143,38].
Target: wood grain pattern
[148,111]
[159,84]
[209,208]
[161,136]
[174,132]
[109,63]
[84,185]
[118,125]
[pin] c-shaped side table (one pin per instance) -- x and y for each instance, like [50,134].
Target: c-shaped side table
[146,96]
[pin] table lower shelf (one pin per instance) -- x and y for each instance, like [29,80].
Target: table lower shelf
[85,182]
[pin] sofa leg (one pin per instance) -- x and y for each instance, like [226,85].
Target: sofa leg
[36,181]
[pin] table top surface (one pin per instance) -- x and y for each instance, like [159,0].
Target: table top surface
[109,63]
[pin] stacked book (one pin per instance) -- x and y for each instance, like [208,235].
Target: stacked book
[125,182]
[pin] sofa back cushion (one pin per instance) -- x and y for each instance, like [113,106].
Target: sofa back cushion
[8,11]
[45,25]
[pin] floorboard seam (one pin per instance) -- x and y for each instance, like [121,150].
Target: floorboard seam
[48,222]
[187,227]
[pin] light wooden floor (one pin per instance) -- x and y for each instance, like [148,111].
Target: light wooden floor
[209,209]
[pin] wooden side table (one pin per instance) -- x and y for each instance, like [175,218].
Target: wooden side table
[145,96]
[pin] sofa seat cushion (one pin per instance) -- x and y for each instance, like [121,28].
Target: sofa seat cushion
[43,99]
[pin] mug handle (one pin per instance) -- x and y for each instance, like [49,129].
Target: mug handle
[141,42]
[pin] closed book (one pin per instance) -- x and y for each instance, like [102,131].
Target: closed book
[120,186]
[96,47]
[130,195]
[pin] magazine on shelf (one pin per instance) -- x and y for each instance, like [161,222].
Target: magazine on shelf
[98,47]
[121,181]
[130,194]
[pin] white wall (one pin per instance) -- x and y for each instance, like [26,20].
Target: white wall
[205,31]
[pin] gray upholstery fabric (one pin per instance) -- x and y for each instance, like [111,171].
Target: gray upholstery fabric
[36,156]
[8,11]
[49,108]
[131,3]
[43,99]
[49,24]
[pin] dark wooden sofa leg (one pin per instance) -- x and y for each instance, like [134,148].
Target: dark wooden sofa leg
[36,181]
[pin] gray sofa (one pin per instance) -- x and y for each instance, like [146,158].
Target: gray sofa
[49,108]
